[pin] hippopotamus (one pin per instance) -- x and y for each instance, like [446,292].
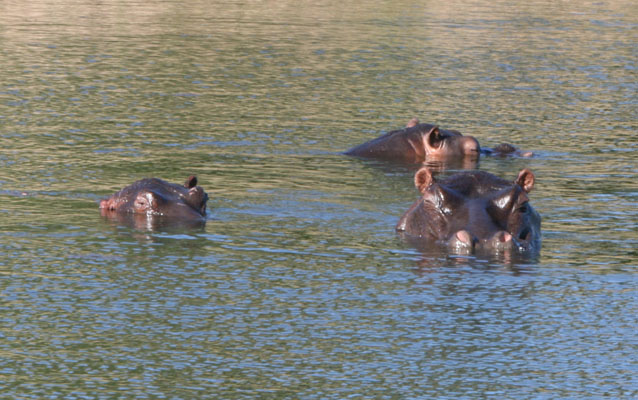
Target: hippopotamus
[417,142]
[156,197]
[504,150]
[473,210]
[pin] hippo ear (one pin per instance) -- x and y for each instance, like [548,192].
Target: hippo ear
[413,122]
[525,180]
[191,182]
[433,138]
[423,179]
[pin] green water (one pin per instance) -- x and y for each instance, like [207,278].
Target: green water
[298,287]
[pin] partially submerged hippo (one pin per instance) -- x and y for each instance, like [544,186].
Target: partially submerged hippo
[155,197]
[504,150]
[473,209]
[416,142]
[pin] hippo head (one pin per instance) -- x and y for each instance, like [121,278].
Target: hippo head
[417,143]
[439,143]
[155,197]
[471,210]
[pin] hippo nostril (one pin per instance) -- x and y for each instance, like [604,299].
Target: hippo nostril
[524,234]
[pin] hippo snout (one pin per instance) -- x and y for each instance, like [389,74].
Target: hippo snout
[463,240]
[471,146]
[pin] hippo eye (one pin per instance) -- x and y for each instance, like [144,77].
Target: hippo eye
[523,208]
[145,202]
[141,202]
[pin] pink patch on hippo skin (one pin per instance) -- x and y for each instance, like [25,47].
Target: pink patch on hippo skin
[503,237]
[107,204]
[463,242]
[465,238]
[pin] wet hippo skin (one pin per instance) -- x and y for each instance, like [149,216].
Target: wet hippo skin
[156,197]
[416,142]
[474,209]
[419,142]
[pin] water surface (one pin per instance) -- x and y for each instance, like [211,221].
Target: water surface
[297,286]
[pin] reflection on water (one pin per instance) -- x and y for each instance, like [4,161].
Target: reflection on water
[297,285]
[151,223]
[433,255]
